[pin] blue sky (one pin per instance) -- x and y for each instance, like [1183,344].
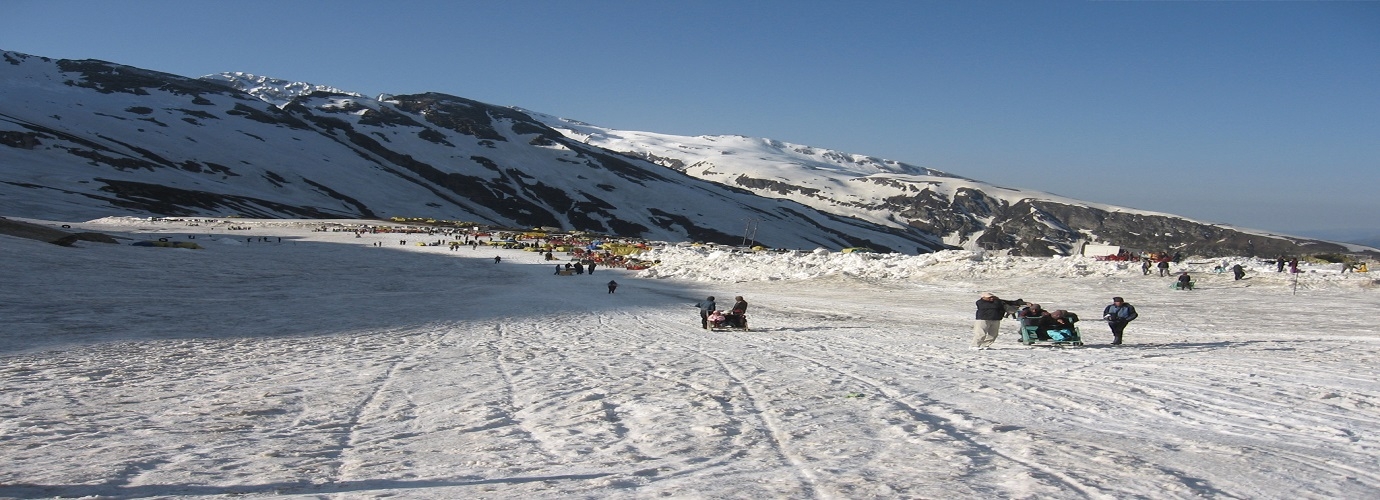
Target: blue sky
[1259,114]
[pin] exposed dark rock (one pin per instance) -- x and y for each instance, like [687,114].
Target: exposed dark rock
[22,140]
[109,78]
[164,200]
[29,230]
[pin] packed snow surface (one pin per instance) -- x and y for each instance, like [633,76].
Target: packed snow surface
[330,365]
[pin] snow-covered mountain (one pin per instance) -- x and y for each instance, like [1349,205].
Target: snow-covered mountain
[86,139]
[274,90]
[964,212]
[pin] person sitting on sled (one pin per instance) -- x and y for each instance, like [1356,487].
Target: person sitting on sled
[716,319]
[1033,315]
[1059,325]
[737,318]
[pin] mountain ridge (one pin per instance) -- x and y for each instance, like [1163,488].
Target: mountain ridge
[91,138]
[105,137]
[949,205]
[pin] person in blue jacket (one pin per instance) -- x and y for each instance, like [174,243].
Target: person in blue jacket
[706,306]
[1118,314]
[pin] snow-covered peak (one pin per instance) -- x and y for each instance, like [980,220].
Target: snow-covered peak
[764,153]
[277,91]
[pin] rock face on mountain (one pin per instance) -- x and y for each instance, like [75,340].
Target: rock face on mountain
[28,230]
[1038,227]
[87,139]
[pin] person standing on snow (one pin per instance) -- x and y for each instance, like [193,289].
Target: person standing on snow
[1118,314]
[990,311]
[706,306]
[613,285]
[1238,271]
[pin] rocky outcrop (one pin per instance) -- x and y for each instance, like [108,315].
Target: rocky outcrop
[28,230]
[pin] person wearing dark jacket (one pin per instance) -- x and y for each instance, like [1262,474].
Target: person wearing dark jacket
[1059,325]
[706,306]
[990,311]
[738,315]
[1118,314]
[1033,315]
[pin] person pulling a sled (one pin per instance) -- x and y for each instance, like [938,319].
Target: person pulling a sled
[990,311]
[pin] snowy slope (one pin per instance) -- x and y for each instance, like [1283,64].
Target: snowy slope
[84,139]
[322,365]
[826,179]
[965,212]
[87,138]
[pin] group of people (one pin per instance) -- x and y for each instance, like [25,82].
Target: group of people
[991,309]
[575,268]
[712,317]
[1161,261]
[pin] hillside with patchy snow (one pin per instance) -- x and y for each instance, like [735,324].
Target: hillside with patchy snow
[85,139]
[966,213]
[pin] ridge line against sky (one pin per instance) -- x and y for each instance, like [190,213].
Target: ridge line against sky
[1263,115]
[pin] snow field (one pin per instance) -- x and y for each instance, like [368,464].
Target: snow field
[326,366]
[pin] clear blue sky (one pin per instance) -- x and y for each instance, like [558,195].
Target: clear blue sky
[1260,114]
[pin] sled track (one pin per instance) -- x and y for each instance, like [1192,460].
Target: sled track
[1018,445]
[945,422]
[358,416]
[510,389]
[776,437]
